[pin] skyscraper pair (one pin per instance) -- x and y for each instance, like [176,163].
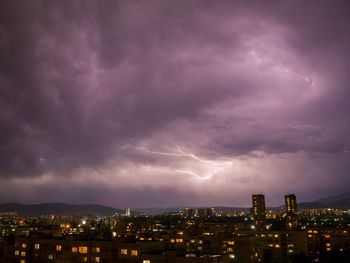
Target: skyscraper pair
[259,211]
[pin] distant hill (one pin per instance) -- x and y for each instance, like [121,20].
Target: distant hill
[335,198]
[341,201]
[59,209]
[311,205]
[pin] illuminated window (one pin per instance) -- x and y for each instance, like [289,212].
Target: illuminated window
[230,242]
[83,250]
[328,244]
[58,247]
[84,259]
[50,256]
[327,236]
[23,253]
[16,252]
[192,241]
[172,240]
[97,249]
[231,256]
[277,246]
[133,252]
[124,251]
[74,249]
[22,261]
[276,235]
[97,259]
[24,245]
[36,246]
[179,240]
[328,249]
[229,249]
[146,261]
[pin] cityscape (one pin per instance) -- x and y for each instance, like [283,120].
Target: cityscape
[258,234]
[169,131]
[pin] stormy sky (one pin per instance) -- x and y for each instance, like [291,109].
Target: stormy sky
[166,103]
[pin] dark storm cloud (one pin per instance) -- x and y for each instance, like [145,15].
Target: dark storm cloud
[91,86]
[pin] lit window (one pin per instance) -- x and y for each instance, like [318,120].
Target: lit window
[58,247]
[277,246]
[327,236]
[36,246]
[179,240]
[231,256]
[230,242]
[97,249]
[97,259]
[22,261]
[328,249]
[192,241]
[50,256]
[83,250]
[229,249]
[84,259]
[124,251]
[276,235]
[172,240]
[328,244]
[74,249]
[146,261]
[133,253]
[16,252]
[23,253]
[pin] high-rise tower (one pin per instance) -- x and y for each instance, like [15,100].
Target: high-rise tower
[259,211]
[291,211]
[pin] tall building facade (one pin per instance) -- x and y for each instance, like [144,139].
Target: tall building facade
[291,211]
[259,211]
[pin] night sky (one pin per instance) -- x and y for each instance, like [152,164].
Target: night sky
[173,103]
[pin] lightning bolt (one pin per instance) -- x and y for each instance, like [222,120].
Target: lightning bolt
[178,152]
[214,166]
[261,59]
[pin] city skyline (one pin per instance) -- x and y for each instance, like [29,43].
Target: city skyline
[173,103]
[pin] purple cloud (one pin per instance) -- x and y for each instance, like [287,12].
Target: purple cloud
[173,103]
